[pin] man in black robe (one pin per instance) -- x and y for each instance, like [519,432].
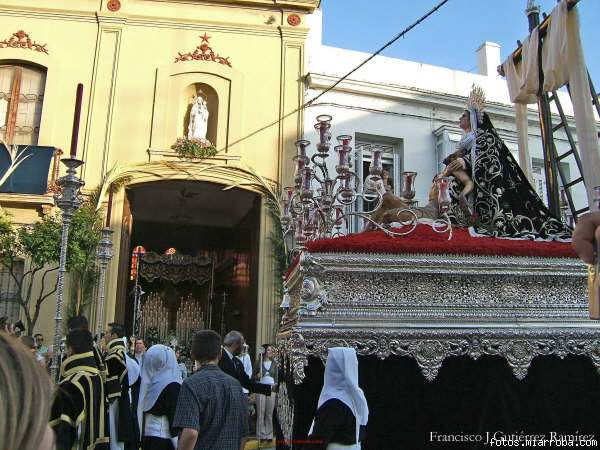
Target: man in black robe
[79,414]
[81,323]
[122,423]
[232,346]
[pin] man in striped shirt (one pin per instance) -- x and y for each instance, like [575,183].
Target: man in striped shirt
[212,411]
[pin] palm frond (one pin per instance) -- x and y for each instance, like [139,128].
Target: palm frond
[118,177]
[16,159]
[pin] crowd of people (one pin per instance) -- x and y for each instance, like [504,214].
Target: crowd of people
[107,398]
[112,396]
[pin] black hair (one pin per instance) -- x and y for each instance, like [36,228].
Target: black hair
[117,329]
[38,334]
[206,346]
[80,341]
[28,342]
[78,323]
[486,123]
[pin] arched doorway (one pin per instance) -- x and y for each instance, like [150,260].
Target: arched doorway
[199,222]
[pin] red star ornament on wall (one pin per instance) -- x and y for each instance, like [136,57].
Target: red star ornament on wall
[203,52]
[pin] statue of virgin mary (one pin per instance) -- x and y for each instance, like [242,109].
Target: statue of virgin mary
[198,119]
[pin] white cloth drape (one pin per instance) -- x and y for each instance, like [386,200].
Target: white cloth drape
[341,382]
[523,84]
[113,420]
[159,370]
[522,120]
[562,62]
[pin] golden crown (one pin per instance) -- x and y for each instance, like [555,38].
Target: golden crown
[476,101]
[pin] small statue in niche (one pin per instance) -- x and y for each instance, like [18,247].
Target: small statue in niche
[198,119]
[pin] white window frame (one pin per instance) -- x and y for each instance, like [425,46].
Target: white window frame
[393,155]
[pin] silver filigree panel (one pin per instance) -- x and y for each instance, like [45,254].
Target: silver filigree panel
[431,347]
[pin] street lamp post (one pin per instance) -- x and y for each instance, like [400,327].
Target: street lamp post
[105,254]
[68,201]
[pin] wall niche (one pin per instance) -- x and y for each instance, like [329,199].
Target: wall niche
[210,96]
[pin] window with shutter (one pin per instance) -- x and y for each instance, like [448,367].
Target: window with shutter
[21,100]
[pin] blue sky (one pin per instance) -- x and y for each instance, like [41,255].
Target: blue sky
[451,36]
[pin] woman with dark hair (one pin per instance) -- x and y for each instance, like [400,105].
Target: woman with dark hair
[503,201]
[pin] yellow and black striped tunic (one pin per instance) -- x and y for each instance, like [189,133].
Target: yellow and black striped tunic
[79,414]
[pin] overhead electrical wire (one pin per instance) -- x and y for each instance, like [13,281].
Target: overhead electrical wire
[338,81]
[373,55]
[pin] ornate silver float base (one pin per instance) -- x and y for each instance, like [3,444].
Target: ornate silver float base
[431,307]
[431,347]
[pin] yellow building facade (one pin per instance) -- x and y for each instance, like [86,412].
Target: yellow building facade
[143,63]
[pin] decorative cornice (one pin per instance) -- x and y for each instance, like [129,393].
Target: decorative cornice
[417,95]
[145,21]
[303,5]
[20,39]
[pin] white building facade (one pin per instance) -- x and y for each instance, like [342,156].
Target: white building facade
[412,111]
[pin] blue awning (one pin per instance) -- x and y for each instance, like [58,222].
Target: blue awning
[31,177]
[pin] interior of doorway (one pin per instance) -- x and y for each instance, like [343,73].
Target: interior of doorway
[195,219]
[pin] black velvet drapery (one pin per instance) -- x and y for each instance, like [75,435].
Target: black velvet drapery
[468,397]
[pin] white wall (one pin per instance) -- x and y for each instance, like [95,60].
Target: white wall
[408,101]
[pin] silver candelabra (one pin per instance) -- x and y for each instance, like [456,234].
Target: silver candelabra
[309,213]
[69,201]
[104,254]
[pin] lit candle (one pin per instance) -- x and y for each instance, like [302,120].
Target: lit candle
[76,119]
[109,207]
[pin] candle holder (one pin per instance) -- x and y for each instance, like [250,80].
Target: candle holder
[376,166]
[104,254]
[566,215]
[408,185]
[443,224]
[319,203]
[68,200]
[323,125]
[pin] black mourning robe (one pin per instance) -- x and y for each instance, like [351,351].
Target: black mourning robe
[79,415]
[165,405]
[117,389]
[504,201]
[334,423]
[235,368]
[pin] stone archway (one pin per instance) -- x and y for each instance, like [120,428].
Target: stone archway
[197,218]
